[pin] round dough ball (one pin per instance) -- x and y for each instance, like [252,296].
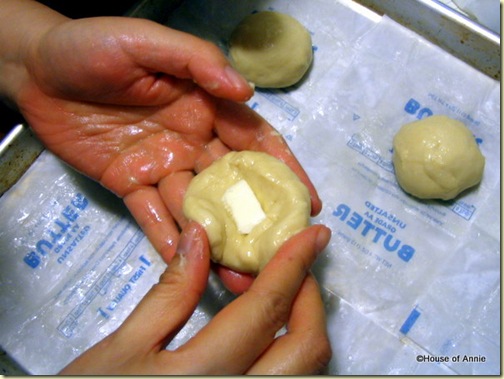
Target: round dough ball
[284,199]
[437,158]
[271,49]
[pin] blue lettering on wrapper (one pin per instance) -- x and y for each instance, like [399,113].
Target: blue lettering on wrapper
[413,106]
[410,321]
[60,233]
[32,259]
[70,322]
[378,235]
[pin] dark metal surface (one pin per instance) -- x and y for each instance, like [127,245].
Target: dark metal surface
[460,36]
[17,153]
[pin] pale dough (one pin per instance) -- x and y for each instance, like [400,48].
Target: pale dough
[283,197]
[437,158]
[271,49]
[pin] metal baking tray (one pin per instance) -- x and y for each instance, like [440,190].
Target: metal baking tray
[457,34]
[438,23]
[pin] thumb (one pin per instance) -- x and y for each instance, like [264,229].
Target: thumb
[169,304]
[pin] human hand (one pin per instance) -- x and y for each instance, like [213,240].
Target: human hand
[239,339]
[141,108]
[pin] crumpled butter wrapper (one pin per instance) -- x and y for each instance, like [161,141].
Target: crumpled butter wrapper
[415,280]
[410,286]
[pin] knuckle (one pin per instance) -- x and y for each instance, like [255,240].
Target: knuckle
[317,351]
[172,283]
[210,47]
[323,352]
[167,287]
[273,307]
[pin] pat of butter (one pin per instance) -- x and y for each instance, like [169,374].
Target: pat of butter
[241,202]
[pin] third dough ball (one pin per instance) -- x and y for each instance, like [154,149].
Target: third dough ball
[437,158]
[271,49]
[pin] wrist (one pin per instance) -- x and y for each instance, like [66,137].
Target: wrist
[23,23]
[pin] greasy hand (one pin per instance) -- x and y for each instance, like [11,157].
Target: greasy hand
[141,108]
[241,338]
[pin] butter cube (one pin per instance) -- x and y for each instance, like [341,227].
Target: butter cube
[241,202]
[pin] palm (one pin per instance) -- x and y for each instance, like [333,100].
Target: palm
[127,148]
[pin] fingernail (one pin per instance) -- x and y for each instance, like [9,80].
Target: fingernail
[235,78]
[191,245]
[184,247]
[187,240]
[323,238]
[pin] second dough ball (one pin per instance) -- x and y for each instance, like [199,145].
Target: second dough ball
[271,49]
[437,158]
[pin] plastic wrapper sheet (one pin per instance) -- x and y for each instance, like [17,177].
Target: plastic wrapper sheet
[410,286]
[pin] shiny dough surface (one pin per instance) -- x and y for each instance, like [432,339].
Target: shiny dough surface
[271,49]
[283,197]
[437,158]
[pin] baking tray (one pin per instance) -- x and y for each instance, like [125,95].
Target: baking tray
[436,22]
[452,31]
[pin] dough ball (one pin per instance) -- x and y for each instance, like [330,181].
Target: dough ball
[437,158]
[271,49]
[283,198]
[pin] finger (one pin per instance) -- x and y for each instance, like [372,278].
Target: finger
[147,161]
[189,57]
[234,281]
[245,328]
[305,349]
[214,150]
[172,189]
[241,128]
[151,214]
[170,303]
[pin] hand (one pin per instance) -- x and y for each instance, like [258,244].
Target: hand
[141,108]
[238,340]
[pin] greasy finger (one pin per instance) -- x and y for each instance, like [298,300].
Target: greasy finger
[244,329]
[214,150]
[172,189]
[147,160]
[170,303]
[151,214]
[305,348]
[241,128]
[236,282]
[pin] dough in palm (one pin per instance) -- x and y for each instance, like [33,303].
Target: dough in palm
[284,199]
